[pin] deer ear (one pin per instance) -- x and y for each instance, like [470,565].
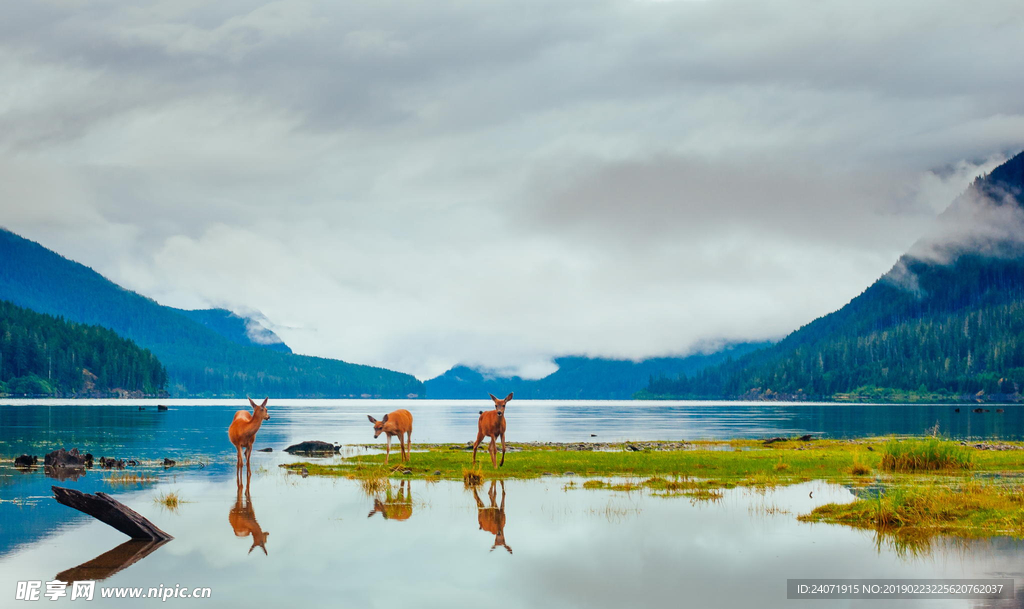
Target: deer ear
[496,400]
[372,420]
[265,400]
[253,404]
[385,419]
[509,397]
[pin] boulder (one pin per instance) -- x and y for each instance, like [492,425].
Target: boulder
[62,458]
[312,448]
[26,461]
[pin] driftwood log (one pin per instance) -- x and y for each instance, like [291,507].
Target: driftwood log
[105,508]
[111,562]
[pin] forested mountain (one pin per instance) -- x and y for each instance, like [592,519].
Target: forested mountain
[946,322]
[199,361]
[237,329]
[44,355]
[578,378]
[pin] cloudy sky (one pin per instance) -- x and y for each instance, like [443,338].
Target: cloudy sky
[497,183]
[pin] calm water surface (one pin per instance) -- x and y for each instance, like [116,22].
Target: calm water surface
[440,545]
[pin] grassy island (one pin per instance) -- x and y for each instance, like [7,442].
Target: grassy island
[912,486]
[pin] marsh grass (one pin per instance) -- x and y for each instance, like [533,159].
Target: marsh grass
[126,477]
[170,500]
[925,454]
[472,478]
[860,469]
[734,460]
[971,508]
[702,490]
[375,482]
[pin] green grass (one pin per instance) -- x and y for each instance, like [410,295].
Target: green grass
[170,500]
[968,508]
[739,462]
[930,485]
[925,454]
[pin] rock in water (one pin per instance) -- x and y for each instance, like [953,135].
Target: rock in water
[161,408]
[312,448]
[26,461]
[265,450]
[63,458]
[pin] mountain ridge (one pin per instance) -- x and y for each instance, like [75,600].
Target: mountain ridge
[944,323]
[199,361]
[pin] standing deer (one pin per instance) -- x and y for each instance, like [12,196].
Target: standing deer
[395,424]
[242,431]
[243,520]
[492,423]
[492,518]
[397,508]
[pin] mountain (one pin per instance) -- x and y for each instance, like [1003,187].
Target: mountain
[946,322]
[577,378]
[199,360]
[44,355]
[237,329]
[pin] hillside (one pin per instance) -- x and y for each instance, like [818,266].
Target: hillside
[947,321]
[44,355]
[199,361]
[237,329]
[578,378]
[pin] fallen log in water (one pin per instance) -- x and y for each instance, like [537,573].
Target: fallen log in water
[105,508]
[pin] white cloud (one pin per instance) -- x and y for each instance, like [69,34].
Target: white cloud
[501,183]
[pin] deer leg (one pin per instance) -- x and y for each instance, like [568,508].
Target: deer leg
[479,439]
[238,447]
[408,444]
[388,455]
[248,458]
[502,449]
[493,449]
[401,446]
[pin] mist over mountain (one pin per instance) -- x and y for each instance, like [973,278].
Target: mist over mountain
[947,321]
[209,357]
[579,378]
[242,330]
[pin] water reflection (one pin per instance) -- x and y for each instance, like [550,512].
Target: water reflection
[243,518]
[492,517]
[111,562]
[394,507]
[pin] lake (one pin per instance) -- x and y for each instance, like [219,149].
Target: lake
[422,544]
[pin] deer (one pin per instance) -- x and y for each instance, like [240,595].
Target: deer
[492,424]
[243,520]
[395,424]
[242,431]
[398,509]
[492,518]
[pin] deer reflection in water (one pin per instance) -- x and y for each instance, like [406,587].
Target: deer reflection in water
[394,507]
[243,519]
[492,517]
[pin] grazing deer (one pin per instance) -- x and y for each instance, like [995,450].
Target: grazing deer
[243,520]
[492,423]
[492,518]
[242,431]
[395,424]
[397,508]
